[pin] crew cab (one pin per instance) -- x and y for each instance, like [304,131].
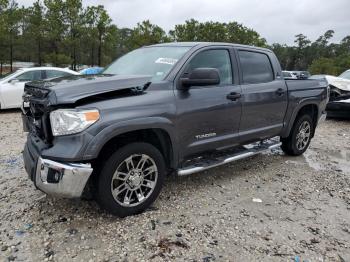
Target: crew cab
[175,108]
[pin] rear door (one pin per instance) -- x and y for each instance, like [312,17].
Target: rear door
[264,95]
[207,118]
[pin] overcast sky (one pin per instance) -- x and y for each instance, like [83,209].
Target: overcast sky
[276,20]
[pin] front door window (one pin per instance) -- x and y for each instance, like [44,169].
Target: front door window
[29,76]
[219,59]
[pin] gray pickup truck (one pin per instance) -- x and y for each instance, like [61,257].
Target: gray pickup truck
[176,108]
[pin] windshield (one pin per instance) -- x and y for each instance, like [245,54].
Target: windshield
[155,61]
[8,75]
[345,75]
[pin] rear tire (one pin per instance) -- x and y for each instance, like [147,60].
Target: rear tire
[300,136]
[131,179]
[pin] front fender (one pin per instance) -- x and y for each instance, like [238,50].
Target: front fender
[99,141]
[2,102]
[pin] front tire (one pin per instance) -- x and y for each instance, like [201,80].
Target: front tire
[300,136]
[131,179]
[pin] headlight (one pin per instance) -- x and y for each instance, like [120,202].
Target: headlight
[72,121]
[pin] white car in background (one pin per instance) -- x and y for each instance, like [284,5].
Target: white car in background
[11,86]
[339,85]
[345,74]
[289,75]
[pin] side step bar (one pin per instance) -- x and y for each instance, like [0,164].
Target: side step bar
[240,153]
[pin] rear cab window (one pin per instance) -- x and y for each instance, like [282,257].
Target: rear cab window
[256,67]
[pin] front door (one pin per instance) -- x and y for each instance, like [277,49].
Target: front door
[207,118]
[264,97]
[12,92]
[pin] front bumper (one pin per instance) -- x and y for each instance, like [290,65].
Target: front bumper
[66,180]
[339,109]
[60,179]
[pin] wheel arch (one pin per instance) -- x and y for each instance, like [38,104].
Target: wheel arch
[158,134]
[307,107]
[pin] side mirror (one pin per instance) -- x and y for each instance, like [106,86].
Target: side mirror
[13,81]
[201,77]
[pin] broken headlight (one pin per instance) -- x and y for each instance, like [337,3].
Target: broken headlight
[72,121]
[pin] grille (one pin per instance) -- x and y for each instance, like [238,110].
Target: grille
[34,92]
[37,114]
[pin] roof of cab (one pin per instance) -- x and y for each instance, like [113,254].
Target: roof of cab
[204,44]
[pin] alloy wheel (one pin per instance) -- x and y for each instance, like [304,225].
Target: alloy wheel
[303,136]
[134,180]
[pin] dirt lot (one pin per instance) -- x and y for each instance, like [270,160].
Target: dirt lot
[211,216]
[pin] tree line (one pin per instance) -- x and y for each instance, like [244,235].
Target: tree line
[64,32]
[319,57]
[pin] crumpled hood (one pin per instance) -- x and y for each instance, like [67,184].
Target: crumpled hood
[341,83]
[69,90]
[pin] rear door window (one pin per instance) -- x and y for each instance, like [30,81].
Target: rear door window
[256,67]
[56,73]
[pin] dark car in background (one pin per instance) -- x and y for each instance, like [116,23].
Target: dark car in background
[339,100]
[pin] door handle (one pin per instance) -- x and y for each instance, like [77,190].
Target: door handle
[280,91]
[233,96]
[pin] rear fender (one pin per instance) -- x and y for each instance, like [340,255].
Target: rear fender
[304,102]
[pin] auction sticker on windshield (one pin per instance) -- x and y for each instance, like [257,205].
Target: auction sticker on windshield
[166,60]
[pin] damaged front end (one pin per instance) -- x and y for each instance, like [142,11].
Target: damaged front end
[339,102]
[54,163]
[35,113]
[60,179]
[337,93]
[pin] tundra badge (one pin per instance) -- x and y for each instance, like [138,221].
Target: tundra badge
[205,135]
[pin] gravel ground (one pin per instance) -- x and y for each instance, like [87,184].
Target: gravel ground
[210,216]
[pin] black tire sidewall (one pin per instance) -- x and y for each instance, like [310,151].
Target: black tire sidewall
[295,131]
[104,194]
